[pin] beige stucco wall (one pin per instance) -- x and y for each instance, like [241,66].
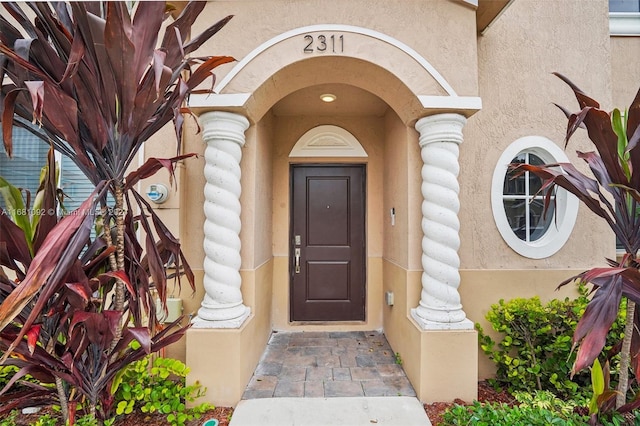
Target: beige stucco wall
[440,20]
[625,69]
[395,194]
[515,59]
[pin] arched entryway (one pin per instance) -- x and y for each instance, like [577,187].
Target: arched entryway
[409,122]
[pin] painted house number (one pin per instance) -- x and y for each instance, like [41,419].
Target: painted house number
[323,43]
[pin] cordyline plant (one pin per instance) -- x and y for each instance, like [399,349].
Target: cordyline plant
[94,81]
[613,193]
[69,333]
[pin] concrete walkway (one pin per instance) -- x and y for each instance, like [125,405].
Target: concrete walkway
[364,411]
[329,378]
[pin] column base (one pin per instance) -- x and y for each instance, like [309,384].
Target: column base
[237,322]
[465,324]
[448,361]
[223,361]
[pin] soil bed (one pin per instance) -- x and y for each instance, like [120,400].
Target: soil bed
[486,394]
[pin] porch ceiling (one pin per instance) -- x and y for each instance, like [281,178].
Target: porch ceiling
[350,101]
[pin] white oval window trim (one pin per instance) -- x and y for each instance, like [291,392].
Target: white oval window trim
[566,203]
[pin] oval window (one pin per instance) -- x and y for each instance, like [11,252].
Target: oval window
[518,203]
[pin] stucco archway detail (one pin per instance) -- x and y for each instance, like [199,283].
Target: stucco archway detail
[403,69]
[260,79]
[328,141]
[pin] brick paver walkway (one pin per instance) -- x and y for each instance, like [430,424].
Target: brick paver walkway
[328,364]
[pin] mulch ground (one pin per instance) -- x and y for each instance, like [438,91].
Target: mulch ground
[486,394]
[222,414]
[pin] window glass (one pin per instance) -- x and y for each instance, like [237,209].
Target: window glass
[29,156]
[624,5]
[524,203]
[23,169]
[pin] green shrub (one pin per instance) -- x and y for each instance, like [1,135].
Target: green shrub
[480,414]
[547,400]
[10,419]
[46,420]
[6,373]
[535,351]
[160,388]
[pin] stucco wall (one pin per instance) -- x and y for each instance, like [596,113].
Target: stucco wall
[516,58]
[256,197]
[625,69]
[395,191]
[441,24]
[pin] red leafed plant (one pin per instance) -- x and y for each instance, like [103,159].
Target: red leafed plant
[95,80]
[613,193]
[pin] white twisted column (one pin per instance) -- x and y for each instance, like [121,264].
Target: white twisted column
[440,307]
[222,306]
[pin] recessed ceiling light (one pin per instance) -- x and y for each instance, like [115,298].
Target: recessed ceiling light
[328,97]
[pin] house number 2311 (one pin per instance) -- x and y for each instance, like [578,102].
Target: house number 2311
[323,43]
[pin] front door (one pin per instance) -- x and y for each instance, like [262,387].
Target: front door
[327,248]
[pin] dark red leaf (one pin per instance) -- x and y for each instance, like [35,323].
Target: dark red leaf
[32,336]
[48,217]
[146,27]
[59,250]
[198,40]
[151,166]
[7,121]
[14,241]
[602,310]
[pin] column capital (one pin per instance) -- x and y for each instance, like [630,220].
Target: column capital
[441,128]
[224,125]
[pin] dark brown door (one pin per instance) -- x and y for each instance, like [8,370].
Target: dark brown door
[327,242]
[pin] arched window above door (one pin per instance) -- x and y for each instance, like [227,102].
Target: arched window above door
[328,141]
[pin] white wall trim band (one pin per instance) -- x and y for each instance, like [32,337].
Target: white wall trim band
[624,24]
[239,100]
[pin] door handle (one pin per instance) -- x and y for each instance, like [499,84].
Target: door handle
[297,253]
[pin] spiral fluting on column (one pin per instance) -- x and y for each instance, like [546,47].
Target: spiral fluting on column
[222,306]
[440,136]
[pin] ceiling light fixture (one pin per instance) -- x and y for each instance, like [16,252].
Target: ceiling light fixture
[328,97]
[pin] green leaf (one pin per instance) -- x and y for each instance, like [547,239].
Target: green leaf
[597,384]
[122,405]
[619,125]
[17,210]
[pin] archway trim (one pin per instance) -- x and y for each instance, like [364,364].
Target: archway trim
[343,28]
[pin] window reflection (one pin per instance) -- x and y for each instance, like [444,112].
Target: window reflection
[524,202]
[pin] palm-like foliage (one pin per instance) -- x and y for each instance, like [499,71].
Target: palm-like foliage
[69,333]
[97,84]
[96,81]
[613,193]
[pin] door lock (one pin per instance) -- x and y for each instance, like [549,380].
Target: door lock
[297,253]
